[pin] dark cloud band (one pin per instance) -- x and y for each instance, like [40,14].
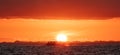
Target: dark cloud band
[60,8]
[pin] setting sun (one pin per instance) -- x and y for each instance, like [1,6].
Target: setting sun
[61,38]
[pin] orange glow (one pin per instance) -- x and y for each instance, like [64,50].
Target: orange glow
[46,30]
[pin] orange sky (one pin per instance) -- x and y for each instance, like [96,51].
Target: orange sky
[46,30]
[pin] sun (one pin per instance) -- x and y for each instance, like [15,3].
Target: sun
[61,37]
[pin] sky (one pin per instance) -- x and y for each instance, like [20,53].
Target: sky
[47,30]
[42,20]
[60,8]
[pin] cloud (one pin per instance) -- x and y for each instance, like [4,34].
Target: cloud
[66,9]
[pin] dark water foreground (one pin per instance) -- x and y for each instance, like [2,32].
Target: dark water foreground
[89,48]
